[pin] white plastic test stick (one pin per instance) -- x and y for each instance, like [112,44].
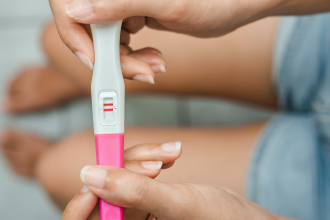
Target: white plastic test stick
[108,101]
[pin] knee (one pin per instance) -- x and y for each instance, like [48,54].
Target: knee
[51,41]
[48,36]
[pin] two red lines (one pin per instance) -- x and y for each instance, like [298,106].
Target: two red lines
[108,109]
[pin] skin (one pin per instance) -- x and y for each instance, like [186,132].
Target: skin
[145,198]
[23,150]
[37,88]
[191,70]
[191,17]
[194,21]
[133,62]
[247,47]
[224,162]
[133,159]
[224,149]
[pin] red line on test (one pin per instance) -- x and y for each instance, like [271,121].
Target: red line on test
[110,104]
[108,110]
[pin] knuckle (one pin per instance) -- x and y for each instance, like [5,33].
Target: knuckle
[138,192]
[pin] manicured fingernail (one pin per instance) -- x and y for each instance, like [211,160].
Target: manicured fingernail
[84,189]
[152,165]
[172,147]
[144,78]
[93,176]
[85,60]
[158,68]
[79,9]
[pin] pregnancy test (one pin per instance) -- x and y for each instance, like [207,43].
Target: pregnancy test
[108,101]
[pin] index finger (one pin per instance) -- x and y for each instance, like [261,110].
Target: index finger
[81,206]
[72,33]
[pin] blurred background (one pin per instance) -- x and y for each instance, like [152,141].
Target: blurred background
[21,25]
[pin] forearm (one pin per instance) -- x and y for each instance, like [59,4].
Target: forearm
[297,7]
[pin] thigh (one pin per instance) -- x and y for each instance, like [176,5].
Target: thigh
[218,156]
[213,156]
[236,66]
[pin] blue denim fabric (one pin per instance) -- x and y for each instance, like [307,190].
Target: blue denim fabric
[290,169]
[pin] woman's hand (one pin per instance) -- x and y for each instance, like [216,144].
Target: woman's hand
[202,18]
[207,18]
[138,65]
[145,159]
[148,199]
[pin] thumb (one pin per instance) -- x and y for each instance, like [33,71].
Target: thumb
[102,11]
[130,190]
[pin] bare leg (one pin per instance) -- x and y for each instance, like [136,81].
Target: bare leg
[236,66]
[217,151]
[214,156]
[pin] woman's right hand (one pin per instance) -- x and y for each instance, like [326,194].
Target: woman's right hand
[202,18]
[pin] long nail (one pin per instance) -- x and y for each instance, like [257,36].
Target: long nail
[79,9]
[84,189]
[144,78]
[85,60]
[171,147]
[158,68]
[93,176]
[152,165]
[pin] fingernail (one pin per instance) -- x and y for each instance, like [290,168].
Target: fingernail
[84,189]
[79,9]
[83,58]
[152,165]
[171,147]
[93,176]
[161,55]
[158,68]
[144,78]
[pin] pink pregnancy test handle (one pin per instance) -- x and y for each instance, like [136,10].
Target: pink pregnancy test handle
[110,152]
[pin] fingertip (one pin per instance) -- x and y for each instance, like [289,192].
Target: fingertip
[152,165]
[173,147]
[85,60]
[144,78]
[68,12]
[158,68]
[81,206]
[85,189]
[178,145]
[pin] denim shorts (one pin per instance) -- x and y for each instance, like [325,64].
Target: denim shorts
[289,172]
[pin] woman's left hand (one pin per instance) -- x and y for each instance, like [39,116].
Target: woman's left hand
[146,198]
